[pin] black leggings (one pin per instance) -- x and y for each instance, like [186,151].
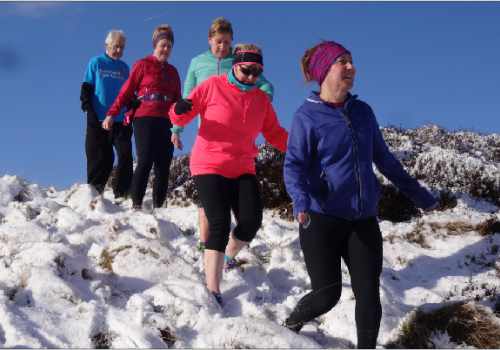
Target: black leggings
[218,196]
[153,147]
[359,243]
[100,157]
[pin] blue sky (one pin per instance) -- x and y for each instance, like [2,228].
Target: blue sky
[417,63]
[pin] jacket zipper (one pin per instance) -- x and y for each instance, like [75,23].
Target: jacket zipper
[218,66]
[356,156]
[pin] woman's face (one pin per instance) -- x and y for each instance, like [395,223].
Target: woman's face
[162,50]
[115,48]
[247,73]
[341,74]
[220,44]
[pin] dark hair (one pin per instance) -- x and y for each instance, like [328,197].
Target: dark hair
[163,29]
[306,59]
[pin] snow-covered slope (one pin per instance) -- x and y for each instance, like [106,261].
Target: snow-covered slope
[77,270]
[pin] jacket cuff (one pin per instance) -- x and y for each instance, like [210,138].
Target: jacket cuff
[300,206]
[426,200]
[177,129]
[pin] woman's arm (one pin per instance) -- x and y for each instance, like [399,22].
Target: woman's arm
[196,101]
[273,132]
[301,143]
[391,168]
[127,91]
[266,86]
[190,82]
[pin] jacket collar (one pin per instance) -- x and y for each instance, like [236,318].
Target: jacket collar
[151,58]
[211,56]
[314,98]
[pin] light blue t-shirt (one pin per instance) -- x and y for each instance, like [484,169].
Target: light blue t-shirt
[107,76]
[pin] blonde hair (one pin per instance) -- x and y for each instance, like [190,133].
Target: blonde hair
[220,25]
[114,35]
[164,28]
[247,47]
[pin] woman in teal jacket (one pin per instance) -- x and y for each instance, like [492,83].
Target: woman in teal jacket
[218,60]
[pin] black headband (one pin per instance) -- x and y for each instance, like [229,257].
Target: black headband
[247,57]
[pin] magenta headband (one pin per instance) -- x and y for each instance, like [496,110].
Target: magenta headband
[163,35]
[322,59]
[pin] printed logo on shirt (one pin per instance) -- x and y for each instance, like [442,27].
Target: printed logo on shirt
[113,74]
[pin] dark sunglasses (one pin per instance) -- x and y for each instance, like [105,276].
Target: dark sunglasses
[252,70]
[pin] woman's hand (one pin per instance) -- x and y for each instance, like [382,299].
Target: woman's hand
[183,106]
[107,123]
[176,140]
[304,219]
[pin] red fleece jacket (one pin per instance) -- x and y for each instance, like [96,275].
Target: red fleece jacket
[231,120]
[149,76]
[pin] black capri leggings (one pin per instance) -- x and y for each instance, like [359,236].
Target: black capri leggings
[359,243]
[154,148]
[218,195]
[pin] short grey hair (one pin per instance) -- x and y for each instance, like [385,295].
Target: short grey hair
[113,35]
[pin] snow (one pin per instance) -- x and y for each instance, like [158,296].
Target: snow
[75,266]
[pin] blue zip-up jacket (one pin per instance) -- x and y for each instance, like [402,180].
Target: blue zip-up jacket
[328,164]
[107,76]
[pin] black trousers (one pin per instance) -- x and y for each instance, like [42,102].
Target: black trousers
[219,195]
[100,157]
[153,148]
[359,243]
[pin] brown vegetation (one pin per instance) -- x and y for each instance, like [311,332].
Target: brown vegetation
[464,322]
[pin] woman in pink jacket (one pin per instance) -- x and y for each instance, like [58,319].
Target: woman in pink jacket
[233,112]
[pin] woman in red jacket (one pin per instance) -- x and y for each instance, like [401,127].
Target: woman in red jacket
[156,84]
[233,112]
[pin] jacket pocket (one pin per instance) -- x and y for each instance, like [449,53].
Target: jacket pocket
[328,185]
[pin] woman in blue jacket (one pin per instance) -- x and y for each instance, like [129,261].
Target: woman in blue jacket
[333,142]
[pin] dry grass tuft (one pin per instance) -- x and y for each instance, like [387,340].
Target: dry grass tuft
[466,323]
[106,260]
[489,227]
[417,236]
[102,340]
[485,228]
[167,336]
[107,257]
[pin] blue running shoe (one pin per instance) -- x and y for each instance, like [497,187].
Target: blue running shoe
[218,298]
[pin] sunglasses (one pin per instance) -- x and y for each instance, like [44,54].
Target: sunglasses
[251,70]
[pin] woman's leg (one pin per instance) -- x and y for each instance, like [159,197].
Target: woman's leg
[163,152]
[247,207]
[364,260]
[214,262]
[122,141]
[213,192]
[143,133]
[203,222]
[100,157]
[322,244]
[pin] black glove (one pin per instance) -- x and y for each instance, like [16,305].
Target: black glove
[86,93]
[183,106]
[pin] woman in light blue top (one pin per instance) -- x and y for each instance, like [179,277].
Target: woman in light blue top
[103,80]
[217,60]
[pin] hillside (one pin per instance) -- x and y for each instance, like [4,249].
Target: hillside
[77,270]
